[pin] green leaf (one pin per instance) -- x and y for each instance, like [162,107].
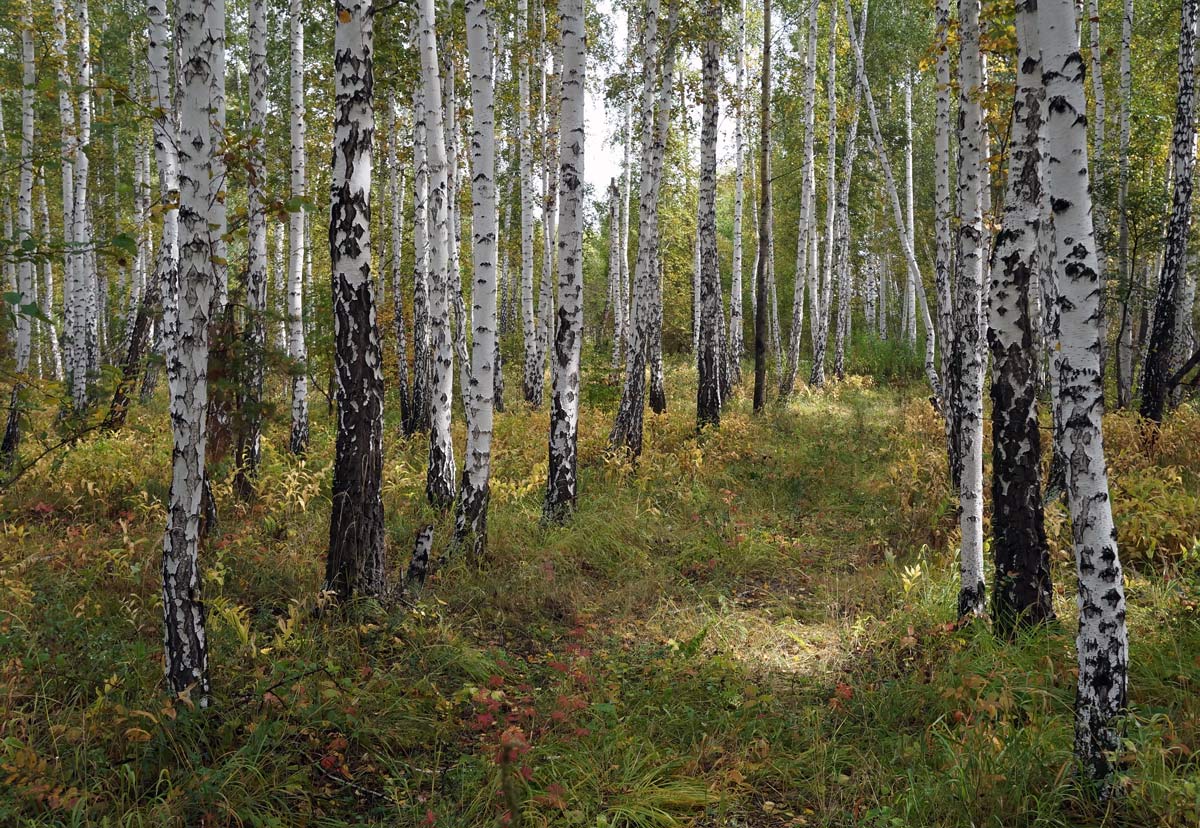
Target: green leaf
[12,298]
[126,242]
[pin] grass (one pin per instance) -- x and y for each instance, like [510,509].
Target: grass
[752,629]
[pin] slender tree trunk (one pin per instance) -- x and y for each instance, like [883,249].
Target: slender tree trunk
[561,487]
[471,515]
[765,241]
[254,332]
[439,482]
[532,374]
[1102,642]
[736,304]
[911,285]
[825,299]
[422,364]
[708,353]
[1124,266]
[1155,376]
[297,348]
[26,274]
[183,611]
[355,563]
[944,254]
[1023,595]
[48,279]
[66,116]
[627,429]
[396,187]
[969,343]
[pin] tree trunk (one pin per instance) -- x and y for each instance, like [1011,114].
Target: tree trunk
[824,302]
[439,481]
[736,324]
[183,610]
[396,188]
[1162,335]
[765,240]
[1124,266]
[422,399]
[355,563]
[568,337]
[471,517]
[1102,642]
[254,333]
[296,209]
[944,254]
[708,353]
[532,375]
[48,279]
[969,343]
[1023,596]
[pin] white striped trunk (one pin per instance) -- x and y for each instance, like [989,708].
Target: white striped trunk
[66,117]
[1102,642]
[532,376]
[910,285]
[256,264]
[561,481]
[820,322]
[736,324]
[970,355]
[709,353]
[439,482]
[845,271]
[422,368]
[48,279]
[83,292]
[396,191]
[296,210]
[472,509]
[183,611]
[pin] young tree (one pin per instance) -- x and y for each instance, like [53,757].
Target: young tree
[765,237]
[1023,595]
[396,198]
[1124,274]
[1102,642]
[532,375]
[969,342]
[183,611]
[254,333]
[297,349]
[439,481]
[824,298]
[422,367]
[355,563]
[1157,372]
[734,350]
[471,516]
[26,278]
[708,353]
[568,337]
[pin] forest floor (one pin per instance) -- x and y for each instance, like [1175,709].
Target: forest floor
[750,630]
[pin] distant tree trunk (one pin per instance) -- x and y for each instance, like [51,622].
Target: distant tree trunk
[471,516]
[254,334]
[551,81]
[26,278]
[845,288]
[48,279]
[1023,595]
[613,299]
[1124,266]
[944,254]
[765,242]
[627,429]
[66,117]
[969,343]
[824,302]
[911,286]
[1158,368]
[561,487]
[439,482]
[805,278]
[355,563]
[532,374]
[708,354]
[736,324]
[422,400]
[396,188]
[183,611]
[458,311]
[296,209]
[1102,642]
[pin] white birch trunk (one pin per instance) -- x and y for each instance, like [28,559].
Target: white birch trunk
[422,367]
[471,516]
[439,483]
[297,349]
[1102,642]
[48,279]
[708,351]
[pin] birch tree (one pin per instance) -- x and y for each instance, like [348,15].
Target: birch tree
[969,344]
[1023,595]
[472,508]
[736,304]
[708,352]
[183,610]
[254,333]
[1167,305]
[355,563]
[422,367]
[765,242]
[1102,642]
[26,272]
[297,349]
[532,374]
[396,198]
[439,482]
[561,485]
[823,300]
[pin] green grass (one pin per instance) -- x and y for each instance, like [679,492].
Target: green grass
[747,630]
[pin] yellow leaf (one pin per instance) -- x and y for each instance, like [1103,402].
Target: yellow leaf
[136,734]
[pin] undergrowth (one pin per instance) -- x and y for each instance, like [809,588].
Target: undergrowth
[748,629]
